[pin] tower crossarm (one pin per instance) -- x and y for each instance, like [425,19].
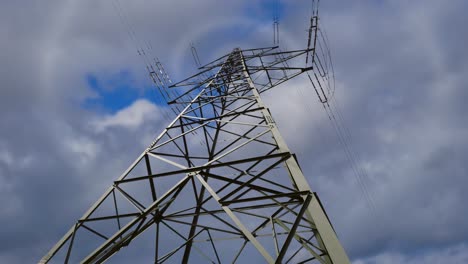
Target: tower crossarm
[268,67]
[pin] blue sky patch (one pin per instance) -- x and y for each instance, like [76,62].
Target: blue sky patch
[268,9]
[116,91]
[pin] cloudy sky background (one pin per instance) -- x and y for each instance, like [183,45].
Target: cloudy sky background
[76,108]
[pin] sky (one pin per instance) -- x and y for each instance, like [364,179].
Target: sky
[77,107]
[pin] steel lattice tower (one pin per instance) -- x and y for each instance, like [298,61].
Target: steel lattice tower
[219,184]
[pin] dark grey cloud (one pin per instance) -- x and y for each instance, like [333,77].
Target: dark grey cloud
[400,69]
[398,84]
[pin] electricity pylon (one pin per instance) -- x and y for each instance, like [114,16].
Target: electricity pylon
[219,184]
[219,179]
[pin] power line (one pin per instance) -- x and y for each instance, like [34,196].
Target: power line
[323,65]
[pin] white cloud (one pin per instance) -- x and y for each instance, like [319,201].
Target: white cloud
[7,193]
[84,148]
[130,117]
[20,162]
[6,157]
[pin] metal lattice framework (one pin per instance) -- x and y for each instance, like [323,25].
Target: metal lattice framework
[219,184]
[219,172]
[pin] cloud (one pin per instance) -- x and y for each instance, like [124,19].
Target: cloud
[401,71]
[455,254]
[85,149]
[6,157]
[131,117]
